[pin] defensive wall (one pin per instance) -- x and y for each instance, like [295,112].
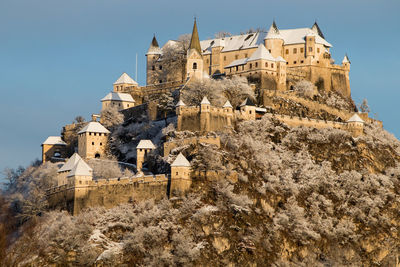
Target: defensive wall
[171,144]
[108,192]
[140,93]
[314,106]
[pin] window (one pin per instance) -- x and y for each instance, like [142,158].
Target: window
[269,50]
[236,56]
[80,182]
[302,61]
[160,81]
[310,49]
[92,143]
[317,50]
[250,112]
[153,67]
[251,66]
[266,64]
[302,50]
[94,134]
[272,65]
[287,52]
[160,67]
[245,55]
[256,64]
[90,133]
[176,173]
[101,144]
[294,62]
[294,50]
[128,105]
[207,61]
[154,57]
[224,58]
[195,66]
[237,68]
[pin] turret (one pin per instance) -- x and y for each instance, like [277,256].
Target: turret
[205,109]
[180,175]
[178,111]
[53,148]
[142,150]
[228,109]
[355,125]
[92,140]
[123,82]
[153,54]
[346,62]
[194,64]
[274,41]
[310,45]
[248,109]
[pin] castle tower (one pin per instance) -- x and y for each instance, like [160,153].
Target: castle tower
[152,55]
[310,46]
[123,82]
[248,110]
[119,100]
[180,175]
[53,148]
[92,140]
[355,125]
[346,63]
[143,148]
[63,172]
[178,111]
[216,64]
[274,41]
[228,110]
[205,109]
[194,64]
[281,73]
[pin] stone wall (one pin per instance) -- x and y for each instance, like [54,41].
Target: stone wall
[170,145]
[108,192]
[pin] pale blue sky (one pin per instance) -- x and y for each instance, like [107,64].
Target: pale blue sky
[59,58]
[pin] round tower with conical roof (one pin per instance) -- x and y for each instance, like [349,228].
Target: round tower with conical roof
[152,56]
[274,41]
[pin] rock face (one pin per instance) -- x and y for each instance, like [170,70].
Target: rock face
[300,197]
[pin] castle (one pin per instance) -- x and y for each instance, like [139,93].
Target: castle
[274,61]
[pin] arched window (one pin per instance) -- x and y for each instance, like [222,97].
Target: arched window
[195,66]
[97,155]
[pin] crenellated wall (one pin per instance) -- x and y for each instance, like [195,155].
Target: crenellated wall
[108,192]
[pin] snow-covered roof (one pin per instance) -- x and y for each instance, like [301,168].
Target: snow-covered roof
[235,42]
[252,40]
[146,144]
[237,62]
[114,96]
[154,48]
[205,101]
[273,32]
[81,169]
[247,102]
[261,109]
[180,103]
[71,162]
[261,53]
[296,36]
[346,59]
[180,161]
[355,118]
[227,104]
[94,127]
[125,79]
[280,59]
[54,140]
